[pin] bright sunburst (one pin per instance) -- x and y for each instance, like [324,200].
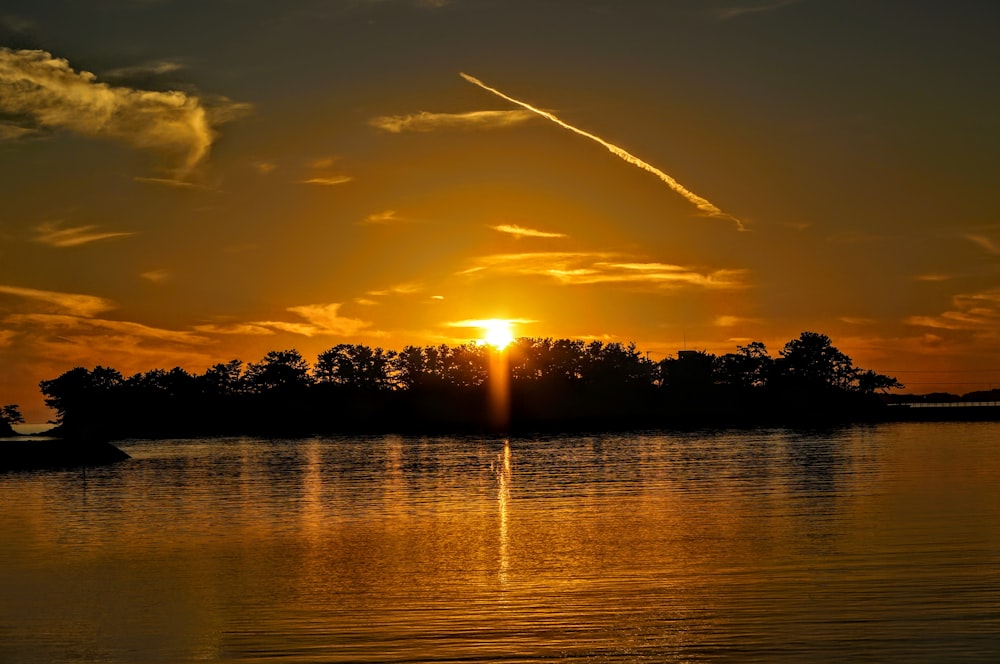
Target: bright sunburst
[497,333]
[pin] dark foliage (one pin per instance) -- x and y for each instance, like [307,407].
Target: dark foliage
[545,384]
[9,415]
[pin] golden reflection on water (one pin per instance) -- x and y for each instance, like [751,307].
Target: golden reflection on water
[741,547]
[504,473]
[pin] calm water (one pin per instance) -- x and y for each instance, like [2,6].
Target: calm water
[862,544]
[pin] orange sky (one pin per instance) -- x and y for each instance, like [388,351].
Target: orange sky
[186,183]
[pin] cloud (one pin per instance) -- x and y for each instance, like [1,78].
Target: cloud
[587,268]
[11,132]
[329,181]
[156,276]
[734,321]
[398,289]
[702,204]
[933,277]
[425,122]
[134,331]
[250,329]
[7,337]
[488,322]
[977,312]
[71,303]
[386,217]
[729,13]
[520,231]
[52,234]
[986,243]
[321,319]
[145,70]
[44,92]
[856,320]
[176,184]
[325,319]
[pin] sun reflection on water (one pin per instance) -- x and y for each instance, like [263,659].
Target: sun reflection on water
[502,467]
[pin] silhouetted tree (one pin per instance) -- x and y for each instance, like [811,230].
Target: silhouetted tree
[280,370]
[84,400]
[689,375]
[9,415]
[747,368]
[869,382]
[813,362]
[223,379]
[554,383]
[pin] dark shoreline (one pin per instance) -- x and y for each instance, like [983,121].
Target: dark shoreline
[43,453]
[56,453]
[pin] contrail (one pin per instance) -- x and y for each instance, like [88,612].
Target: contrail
[702,204]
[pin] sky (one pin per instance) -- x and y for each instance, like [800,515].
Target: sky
[185,182]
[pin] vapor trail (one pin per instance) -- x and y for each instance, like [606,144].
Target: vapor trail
[702,204]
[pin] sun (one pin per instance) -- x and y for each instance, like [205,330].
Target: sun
[497,333]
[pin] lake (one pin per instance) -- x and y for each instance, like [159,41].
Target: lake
[867,543]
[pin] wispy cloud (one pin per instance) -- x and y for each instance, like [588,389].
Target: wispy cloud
[12,132]
[488,322]
[985,242]
[702,204]
[54,235]
[156,276]
[398,289]
[734,321]
[75,304]
[247,329]
[424,121]
[384,217]
[136,331]
[44,92]
[175,184]
[977,312]
[7,337]
[856,320]
[329,181]
[735,11]
[933,277]
[325,319]
[320,320]
[586,268]
[146,69]
[520,231]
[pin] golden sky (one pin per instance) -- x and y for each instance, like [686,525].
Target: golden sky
[183,183]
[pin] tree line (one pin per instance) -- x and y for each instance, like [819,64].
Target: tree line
[558,384]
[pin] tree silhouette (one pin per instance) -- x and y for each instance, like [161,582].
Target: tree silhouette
[9,415]
[813,362]
[279,371]
[223,379]
[82,399]
[559,384]
[747,368]
[355,366]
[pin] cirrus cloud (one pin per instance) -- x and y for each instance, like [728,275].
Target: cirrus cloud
[588,268]
[75,304]
[42,92]
[520,231]
[54,235]
[425,122]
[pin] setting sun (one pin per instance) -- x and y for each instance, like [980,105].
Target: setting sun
[497,333]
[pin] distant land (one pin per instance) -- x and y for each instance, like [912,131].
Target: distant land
[532,384]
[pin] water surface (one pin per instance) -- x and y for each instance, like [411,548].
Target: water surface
[862,544]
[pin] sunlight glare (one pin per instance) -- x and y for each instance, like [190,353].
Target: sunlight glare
[497,333]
